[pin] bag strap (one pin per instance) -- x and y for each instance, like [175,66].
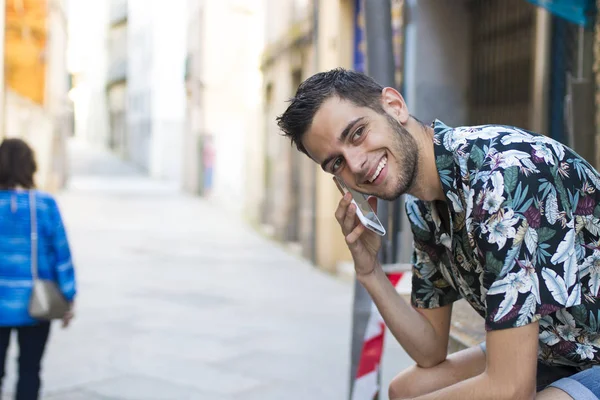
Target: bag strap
[34,236]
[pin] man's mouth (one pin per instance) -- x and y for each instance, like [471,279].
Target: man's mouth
[378,170]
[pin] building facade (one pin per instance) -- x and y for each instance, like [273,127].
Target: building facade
[36,84]
[116,80]
[87,62]
[297,199]
[155,86]
[127,59]
[223,84]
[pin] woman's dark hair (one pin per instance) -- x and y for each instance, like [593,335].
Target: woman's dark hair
[17,164]
[358,88]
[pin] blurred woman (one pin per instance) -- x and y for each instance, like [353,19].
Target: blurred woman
[17,169]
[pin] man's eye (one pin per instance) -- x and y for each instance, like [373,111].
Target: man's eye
[336,165]
[358,133]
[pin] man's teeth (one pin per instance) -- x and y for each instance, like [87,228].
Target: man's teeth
[379,168]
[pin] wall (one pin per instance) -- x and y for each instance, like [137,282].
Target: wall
[31,122]
[36,102]
[167,88]
[231,83]
[335,43]
[192,171]
[140,69]
[25,41]
[57,103]
[117,105]
[299,200]
[287,205]
[437,60]
[278,149]
[87,61]
[156,88]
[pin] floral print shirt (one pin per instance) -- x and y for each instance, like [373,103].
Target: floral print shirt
[522,241]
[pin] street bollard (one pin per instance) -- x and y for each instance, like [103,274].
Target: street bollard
[368,330]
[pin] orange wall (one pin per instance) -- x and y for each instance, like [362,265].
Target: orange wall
[25,42]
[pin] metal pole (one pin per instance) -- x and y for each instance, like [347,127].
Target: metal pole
[380,51]
[380,66]
[541,71]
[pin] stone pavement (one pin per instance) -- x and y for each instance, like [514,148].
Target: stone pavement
[179,300]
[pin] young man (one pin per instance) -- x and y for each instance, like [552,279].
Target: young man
[507,219]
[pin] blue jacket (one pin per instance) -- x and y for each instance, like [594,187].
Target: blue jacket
[54,255]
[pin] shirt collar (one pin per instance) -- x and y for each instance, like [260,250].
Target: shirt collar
[446,163]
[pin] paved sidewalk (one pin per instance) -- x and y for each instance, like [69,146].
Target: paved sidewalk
[179,301]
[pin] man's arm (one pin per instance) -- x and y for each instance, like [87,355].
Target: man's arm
[423,333]
[510,372]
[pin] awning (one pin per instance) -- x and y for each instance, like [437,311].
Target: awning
[581,12]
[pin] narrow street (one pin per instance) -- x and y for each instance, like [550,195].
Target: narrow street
[179,300]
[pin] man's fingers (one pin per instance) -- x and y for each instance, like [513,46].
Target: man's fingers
[350,220]
[353,236]
[342,209]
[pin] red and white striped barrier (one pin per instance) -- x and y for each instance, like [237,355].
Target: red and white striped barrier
[365,384]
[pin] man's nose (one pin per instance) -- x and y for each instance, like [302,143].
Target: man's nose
[357,162]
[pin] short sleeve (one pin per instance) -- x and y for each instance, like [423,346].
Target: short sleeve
[524,230]
[429,287]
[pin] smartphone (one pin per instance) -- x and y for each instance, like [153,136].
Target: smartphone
[365,213]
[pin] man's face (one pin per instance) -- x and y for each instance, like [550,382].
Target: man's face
[371,152]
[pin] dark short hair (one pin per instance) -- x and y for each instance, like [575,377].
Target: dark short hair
[17,164]
[358,88]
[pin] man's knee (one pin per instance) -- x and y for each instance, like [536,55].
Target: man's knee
[408,383]
[416,381]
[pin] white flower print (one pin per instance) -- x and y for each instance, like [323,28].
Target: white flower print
[512,284]
[425,267]
[544,152]
[470,200]
[493,201]
[586,351]
[497,181]
[552,213]
[500,227]
[549,338]
[493,197]
[509,158]
[456,204]
[522,137]
[460,136]
[568,332]
[591,266]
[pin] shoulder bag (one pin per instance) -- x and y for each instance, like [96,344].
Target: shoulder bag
[46,301]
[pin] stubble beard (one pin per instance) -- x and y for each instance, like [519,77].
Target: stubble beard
[406,153]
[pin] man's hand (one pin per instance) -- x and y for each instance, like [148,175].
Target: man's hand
[363,244]
[69,315]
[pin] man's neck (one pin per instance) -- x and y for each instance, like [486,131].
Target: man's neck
[428,186]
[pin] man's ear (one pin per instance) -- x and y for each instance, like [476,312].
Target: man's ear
[393,103]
